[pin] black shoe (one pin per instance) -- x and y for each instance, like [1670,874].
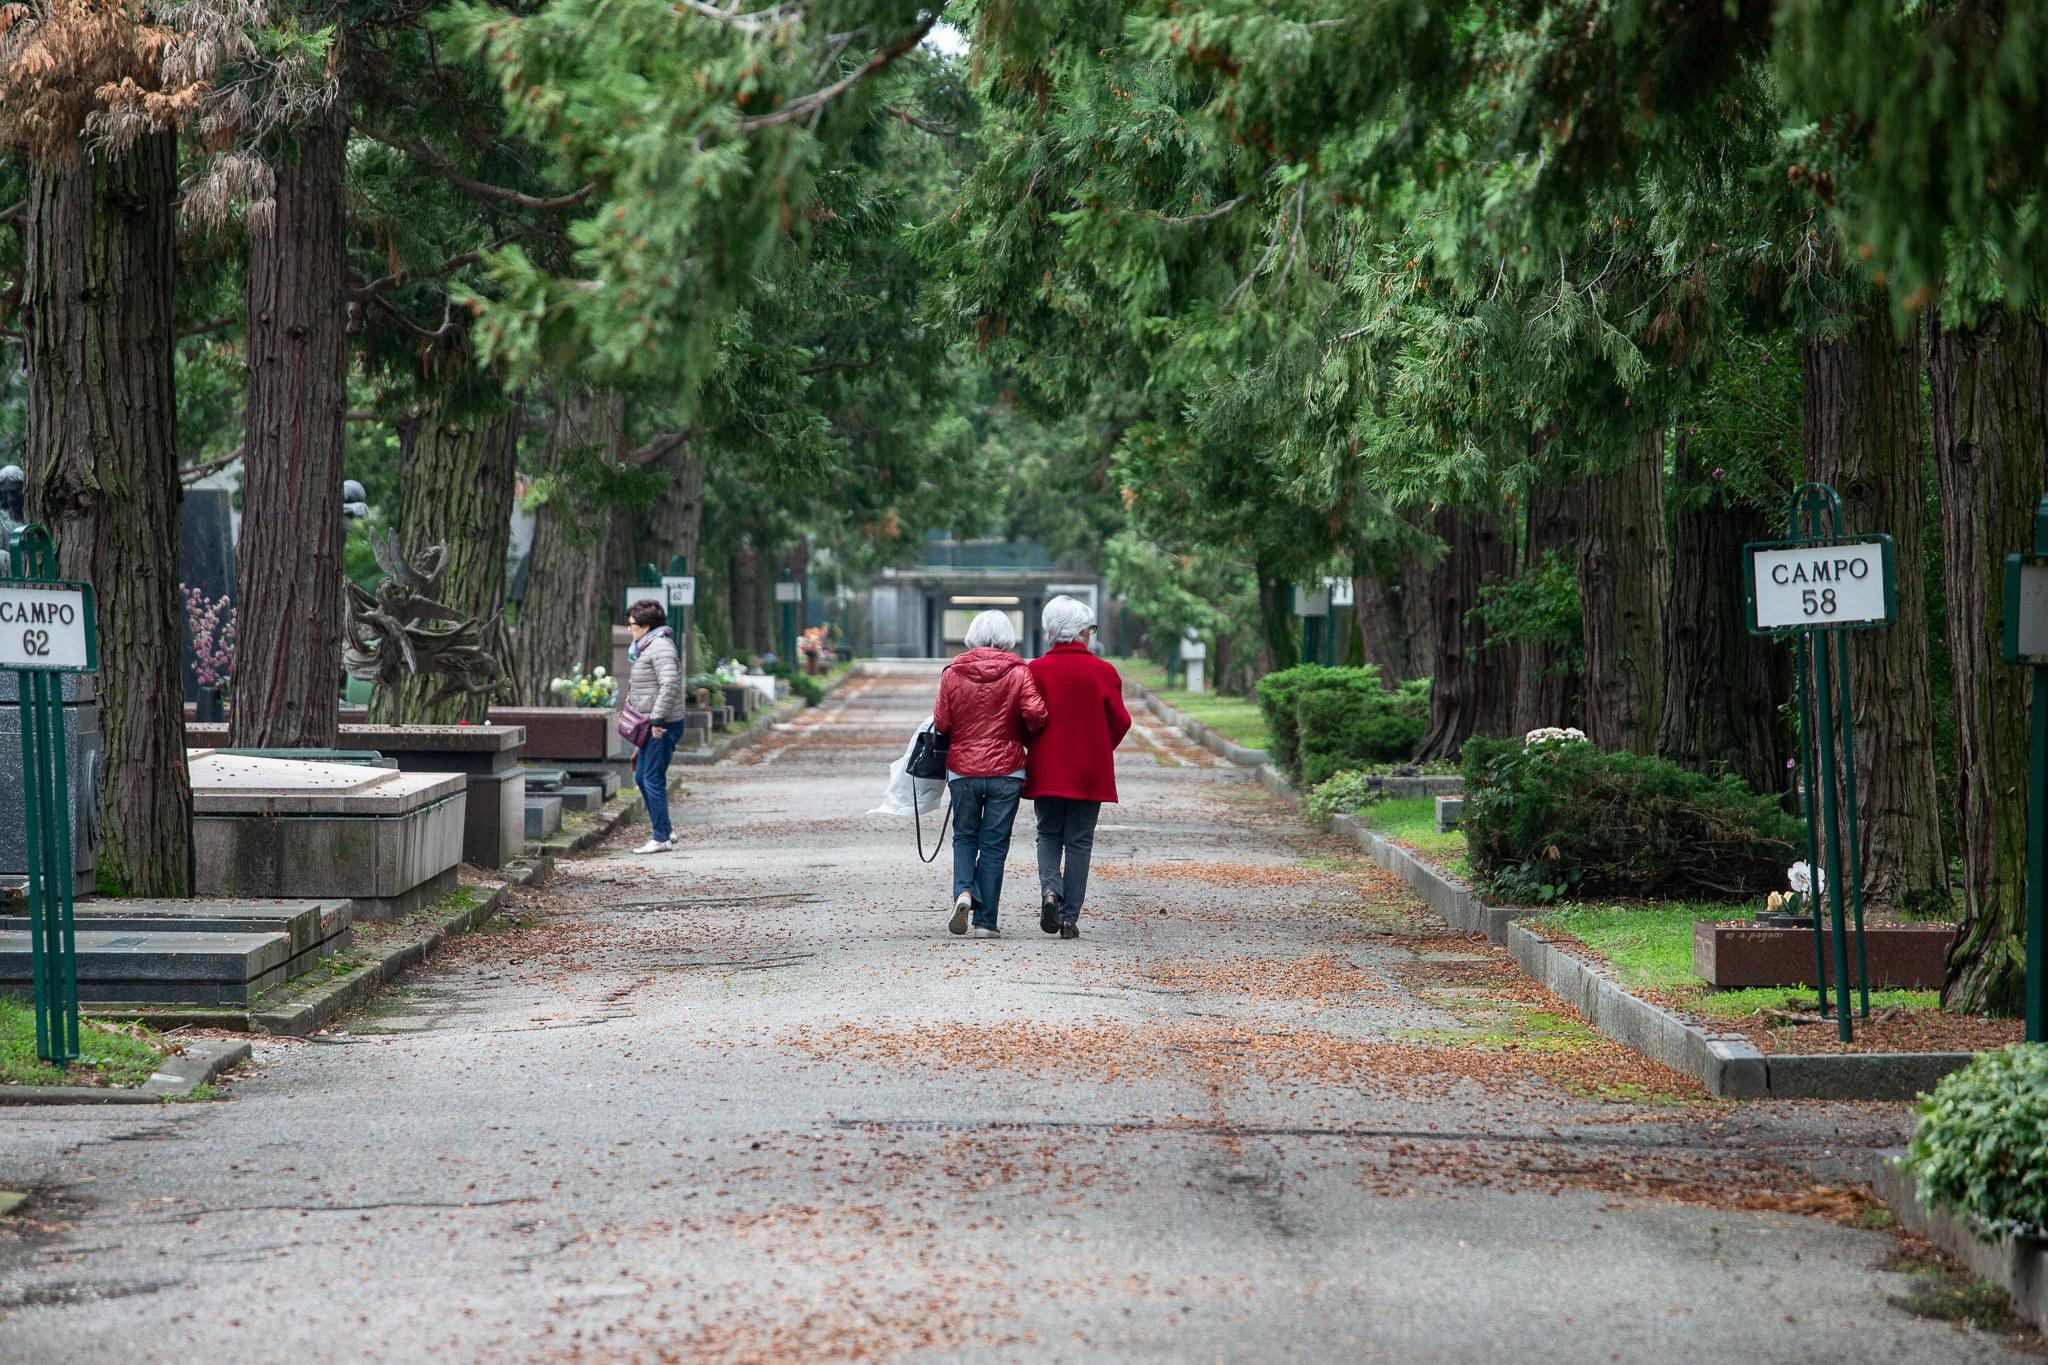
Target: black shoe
[1049,914]
[1070,931]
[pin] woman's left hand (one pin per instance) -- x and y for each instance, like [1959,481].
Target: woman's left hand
[658,731]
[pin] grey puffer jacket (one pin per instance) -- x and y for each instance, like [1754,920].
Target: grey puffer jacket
[655,686]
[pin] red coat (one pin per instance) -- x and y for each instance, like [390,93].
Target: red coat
[990,706]
[1075,756]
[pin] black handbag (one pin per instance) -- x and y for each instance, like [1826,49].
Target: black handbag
[928,764]
[928,755]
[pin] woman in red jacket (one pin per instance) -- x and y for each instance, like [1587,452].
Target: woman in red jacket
[1073,764]
[990,708]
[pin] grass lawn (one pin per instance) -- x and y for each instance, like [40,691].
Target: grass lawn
[107,1056]
[1237,719]
[1413,822]
[1651,949]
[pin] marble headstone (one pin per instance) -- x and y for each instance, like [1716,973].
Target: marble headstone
[206,559]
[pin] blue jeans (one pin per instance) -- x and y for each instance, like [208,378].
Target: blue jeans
[650,772]
[983,810]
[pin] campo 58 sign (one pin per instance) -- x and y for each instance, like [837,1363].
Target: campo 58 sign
[1806,585]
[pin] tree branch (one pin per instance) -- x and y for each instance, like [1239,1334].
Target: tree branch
[363,293]
[921,124]
[1213,214]
[746,22]
[192,474]
[420,151]
[818,99]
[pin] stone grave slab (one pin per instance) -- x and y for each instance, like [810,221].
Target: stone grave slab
[156,966]
[277,828]
[543,816]
[545,779]
[581,798]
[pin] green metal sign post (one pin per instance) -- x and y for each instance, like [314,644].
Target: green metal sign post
[788,592]
[2026,642]
[47,629]
[1814,587]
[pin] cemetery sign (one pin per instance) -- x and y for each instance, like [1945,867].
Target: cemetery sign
[47,627]
[1842,583]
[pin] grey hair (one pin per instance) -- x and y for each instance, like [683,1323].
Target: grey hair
[991,630]
[1066,620]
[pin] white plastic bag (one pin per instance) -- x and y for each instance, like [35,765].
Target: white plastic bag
[903,789]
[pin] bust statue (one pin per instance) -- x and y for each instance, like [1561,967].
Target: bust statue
[13,493]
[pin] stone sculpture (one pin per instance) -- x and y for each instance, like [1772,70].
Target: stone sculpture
[13,495]
[400,631]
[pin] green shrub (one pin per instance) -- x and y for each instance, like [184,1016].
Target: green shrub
[1276,694]
[1324,720]
[1345,794]
[1350,718]
[1981,1147]
[1563,818]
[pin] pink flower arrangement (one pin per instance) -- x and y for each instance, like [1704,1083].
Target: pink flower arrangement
[213,636]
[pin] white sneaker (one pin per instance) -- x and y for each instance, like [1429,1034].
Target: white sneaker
[656,846]
[963,906]
[980,932]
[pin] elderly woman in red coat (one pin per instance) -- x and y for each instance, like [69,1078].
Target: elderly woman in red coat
[1073,761]
[991,708]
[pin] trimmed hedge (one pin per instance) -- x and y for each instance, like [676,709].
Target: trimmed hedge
[1562,819]
[1981,1148]
[1324,721]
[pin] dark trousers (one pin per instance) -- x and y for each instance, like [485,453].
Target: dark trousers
[1066,845]
[984,808]
[650,773]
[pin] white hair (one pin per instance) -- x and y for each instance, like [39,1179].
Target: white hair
[991,630]
[1066,620]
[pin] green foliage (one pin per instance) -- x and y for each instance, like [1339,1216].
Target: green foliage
[1981,1147]
[108,1054]
[801,684]
[1323,720]
[1549,820]
[1539,604]
[1345,793]
[1350,717]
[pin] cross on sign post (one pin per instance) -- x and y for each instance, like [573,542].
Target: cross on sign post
[47,628]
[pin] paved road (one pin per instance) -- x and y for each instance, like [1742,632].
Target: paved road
[750,1102]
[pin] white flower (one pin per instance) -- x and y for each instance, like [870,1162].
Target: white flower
[597,672]
[1806,880]
[1554,734]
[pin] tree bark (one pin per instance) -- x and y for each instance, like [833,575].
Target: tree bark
[678,526]
[1624,576]
[562,621]
[1418,628]
[1276,615]
[287,680]
[1379,634]
[743,568]
[1862,434]
[100,265]
[458,475]
[1991,456]
[1470,693]
[1724,688]
[1546,681]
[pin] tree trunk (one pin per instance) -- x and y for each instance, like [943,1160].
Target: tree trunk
[678,526]
[288,662]
[1379,633]
[562,618]
[743,568]
[1862,434]
[100,265]
[1724,688]
[458,476]
[1470,693]
[1276,615]
[1624,577]
[1991,455]
[1546,680]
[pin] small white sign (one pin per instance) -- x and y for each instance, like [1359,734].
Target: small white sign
[647,592]
[789,592]
[1842,584]
[682,591]
[1342,592]
[45,629]
[1311,602]
[2027,636]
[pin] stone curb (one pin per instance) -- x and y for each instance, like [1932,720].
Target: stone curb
[1727,1065]
[2018,1265]
[200,1062]
[1196,731]
[622,809]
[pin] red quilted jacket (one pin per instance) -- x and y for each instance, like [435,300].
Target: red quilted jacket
[991,707]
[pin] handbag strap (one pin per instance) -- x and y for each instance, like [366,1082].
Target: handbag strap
[917,821]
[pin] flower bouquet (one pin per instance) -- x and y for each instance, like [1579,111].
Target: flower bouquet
[597,688]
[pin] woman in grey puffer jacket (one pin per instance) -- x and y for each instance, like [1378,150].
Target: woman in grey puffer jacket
[654,688]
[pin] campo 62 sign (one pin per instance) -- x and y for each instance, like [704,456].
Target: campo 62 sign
[47,627]
[1817,584]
